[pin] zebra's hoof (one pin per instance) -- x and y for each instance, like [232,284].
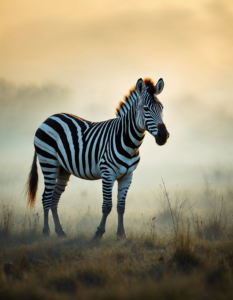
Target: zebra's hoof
[121,235]
[60,233]
[99,233]
[97,237]
[46,232]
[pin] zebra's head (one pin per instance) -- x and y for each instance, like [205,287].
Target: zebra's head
[149,111]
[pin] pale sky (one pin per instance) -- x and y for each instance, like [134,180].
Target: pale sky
[57,40]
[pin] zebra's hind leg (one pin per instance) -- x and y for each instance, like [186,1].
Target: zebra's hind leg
[50,169]
[62,181]
[47,198]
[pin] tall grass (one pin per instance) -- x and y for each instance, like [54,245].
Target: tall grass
[192,258]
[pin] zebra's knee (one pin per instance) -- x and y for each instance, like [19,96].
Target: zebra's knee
[47,200]
[54,208]
[46,205]
[106,209]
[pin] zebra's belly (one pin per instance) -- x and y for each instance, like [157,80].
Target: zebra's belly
[88,177]
[87,173]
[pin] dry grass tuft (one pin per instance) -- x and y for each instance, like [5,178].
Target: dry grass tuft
[185,256]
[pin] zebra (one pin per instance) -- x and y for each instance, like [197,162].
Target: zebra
[66,144]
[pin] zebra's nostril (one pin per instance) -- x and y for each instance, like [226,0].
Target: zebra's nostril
[159,135]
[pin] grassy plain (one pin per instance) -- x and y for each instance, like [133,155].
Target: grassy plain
[177,252]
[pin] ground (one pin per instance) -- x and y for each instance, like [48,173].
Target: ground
[146,265]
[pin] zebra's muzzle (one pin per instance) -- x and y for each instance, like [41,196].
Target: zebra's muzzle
[162,135]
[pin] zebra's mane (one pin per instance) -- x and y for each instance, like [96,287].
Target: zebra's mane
[129,99]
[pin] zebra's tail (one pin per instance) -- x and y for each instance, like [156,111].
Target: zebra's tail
[32,184]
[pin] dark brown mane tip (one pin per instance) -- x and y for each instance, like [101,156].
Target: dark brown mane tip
[149,83]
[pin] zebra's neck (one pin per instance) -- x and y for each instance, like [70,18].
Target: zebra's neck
[129,132]
[125,106]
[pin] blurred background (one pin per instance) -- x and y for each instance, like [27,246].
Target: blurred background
[82,57]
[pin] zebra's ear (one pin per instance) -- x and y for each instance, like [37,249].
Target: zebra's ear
[159,86]
[140,86]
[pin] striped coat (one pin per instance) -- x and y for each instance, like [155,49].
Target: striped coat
[69,145]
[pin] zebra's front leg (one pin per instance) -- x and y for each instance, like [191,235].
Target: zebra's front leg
[107,185]
[123,186]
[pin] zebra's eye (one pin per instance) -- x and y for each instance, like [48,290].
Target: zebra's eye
[146,108]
